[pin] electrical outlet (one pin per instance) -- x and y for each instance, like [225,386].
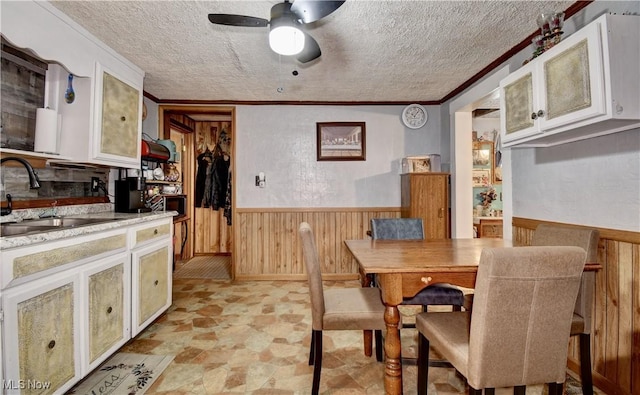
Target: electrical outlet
[95,183]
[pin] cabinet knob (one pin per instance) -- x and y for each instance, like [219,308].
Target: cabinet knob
[619,108]
[123,118]
[441,213]
[109,310]
[534,115]
[540,114]
[51,344]
[155,231]
[155,282]
[426,280]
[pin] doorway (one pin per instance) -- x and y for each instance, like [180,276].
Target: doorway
[461,138]
[204,134]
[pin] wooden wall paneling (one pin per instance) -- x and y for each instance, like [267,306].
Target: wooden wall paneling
[625,314]
[615,347]
[240,260]
[611,341]
[198,229]
[635,307]
[225,233]
[599,328]
[258,252]
[268,245]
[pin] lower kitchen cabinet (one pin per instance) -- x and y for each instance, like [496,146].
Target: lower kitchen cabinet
[66,309]
[151,283]
[41,335]
[107,308]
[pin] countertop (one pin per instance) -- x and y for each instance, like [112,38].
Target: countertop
[116,220]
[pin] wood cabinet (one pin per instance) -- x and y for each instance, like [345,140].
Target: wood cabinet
[426,196]
[587,85]
[490,228]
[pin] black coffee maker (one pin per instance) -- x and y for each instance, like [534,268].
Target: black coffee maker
[130,194]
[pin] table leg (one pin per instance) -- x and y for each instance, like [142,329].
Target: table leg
[368,342]
[393,362]
[365,280]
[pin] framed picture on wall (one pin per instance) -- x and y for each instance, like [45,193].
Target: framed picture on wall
[341,140]
[483,155]
[481,177]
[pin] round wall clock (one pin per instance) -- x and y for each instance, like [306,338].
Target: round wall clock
[414,116]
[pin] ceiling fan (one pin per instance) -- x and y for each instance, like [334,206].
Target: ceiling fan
[287,35]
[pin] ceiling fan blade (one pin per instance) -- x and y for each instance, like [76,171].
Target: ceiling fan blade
[312,10]
[310,51]
[238,20]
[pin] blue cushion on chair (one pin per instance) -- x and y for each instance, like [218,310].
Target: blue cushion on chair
[438,294]
[397,228]
[413,229]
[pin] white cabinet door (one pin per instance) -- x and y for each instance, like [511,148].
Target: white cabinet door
[519,103]
[118,120]
[42,335]
[106,288]
[151,278]
[572,82]
[585,86]
[563,86]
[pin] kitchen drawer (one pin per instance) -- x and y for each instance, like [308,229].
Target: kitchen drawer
[151,232]
[490,228]
[24,264]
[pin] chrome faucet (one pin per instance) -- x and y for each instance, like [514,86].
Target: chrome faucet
[34,182]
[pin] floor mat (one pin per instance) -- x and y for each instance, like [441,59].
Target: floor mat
[124,374]
[210,266]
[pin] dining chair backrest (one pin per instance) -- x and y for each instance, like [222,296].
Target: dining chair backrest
[314,275]
[521,316]
[397,228]
[587,239]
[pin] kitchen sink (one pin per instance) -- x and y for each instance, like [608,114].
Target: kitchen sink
[31,226]
[63,222]
[18,229]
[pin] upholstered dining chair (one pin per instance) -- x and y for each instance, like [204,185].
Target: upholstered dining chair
[413,229]
[517,332]
[554,235]
[337,309]
[436,294]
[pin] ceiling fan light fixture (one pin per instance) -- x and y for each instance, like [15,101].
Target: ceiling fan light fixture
[286,40]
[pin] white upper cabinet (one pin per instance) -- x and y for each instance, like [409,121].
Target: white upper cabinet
[106,130]
[103,123]
[587,85]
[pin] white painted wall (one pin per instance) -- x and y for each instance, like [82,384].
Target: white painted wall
[592,182]
[150,124]
[281,142]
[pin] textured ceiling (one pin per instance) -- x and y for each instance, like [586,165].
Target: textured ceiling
[372,50]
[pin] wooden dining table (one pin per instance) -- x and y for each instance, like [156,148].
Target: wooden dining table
[404,267]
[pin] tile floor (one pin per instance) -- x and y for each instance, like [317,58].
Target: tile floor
[253,338]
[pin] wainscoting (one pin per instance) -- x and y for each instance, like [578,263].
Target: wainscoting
[266,246]
[266,243]
[615,342]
